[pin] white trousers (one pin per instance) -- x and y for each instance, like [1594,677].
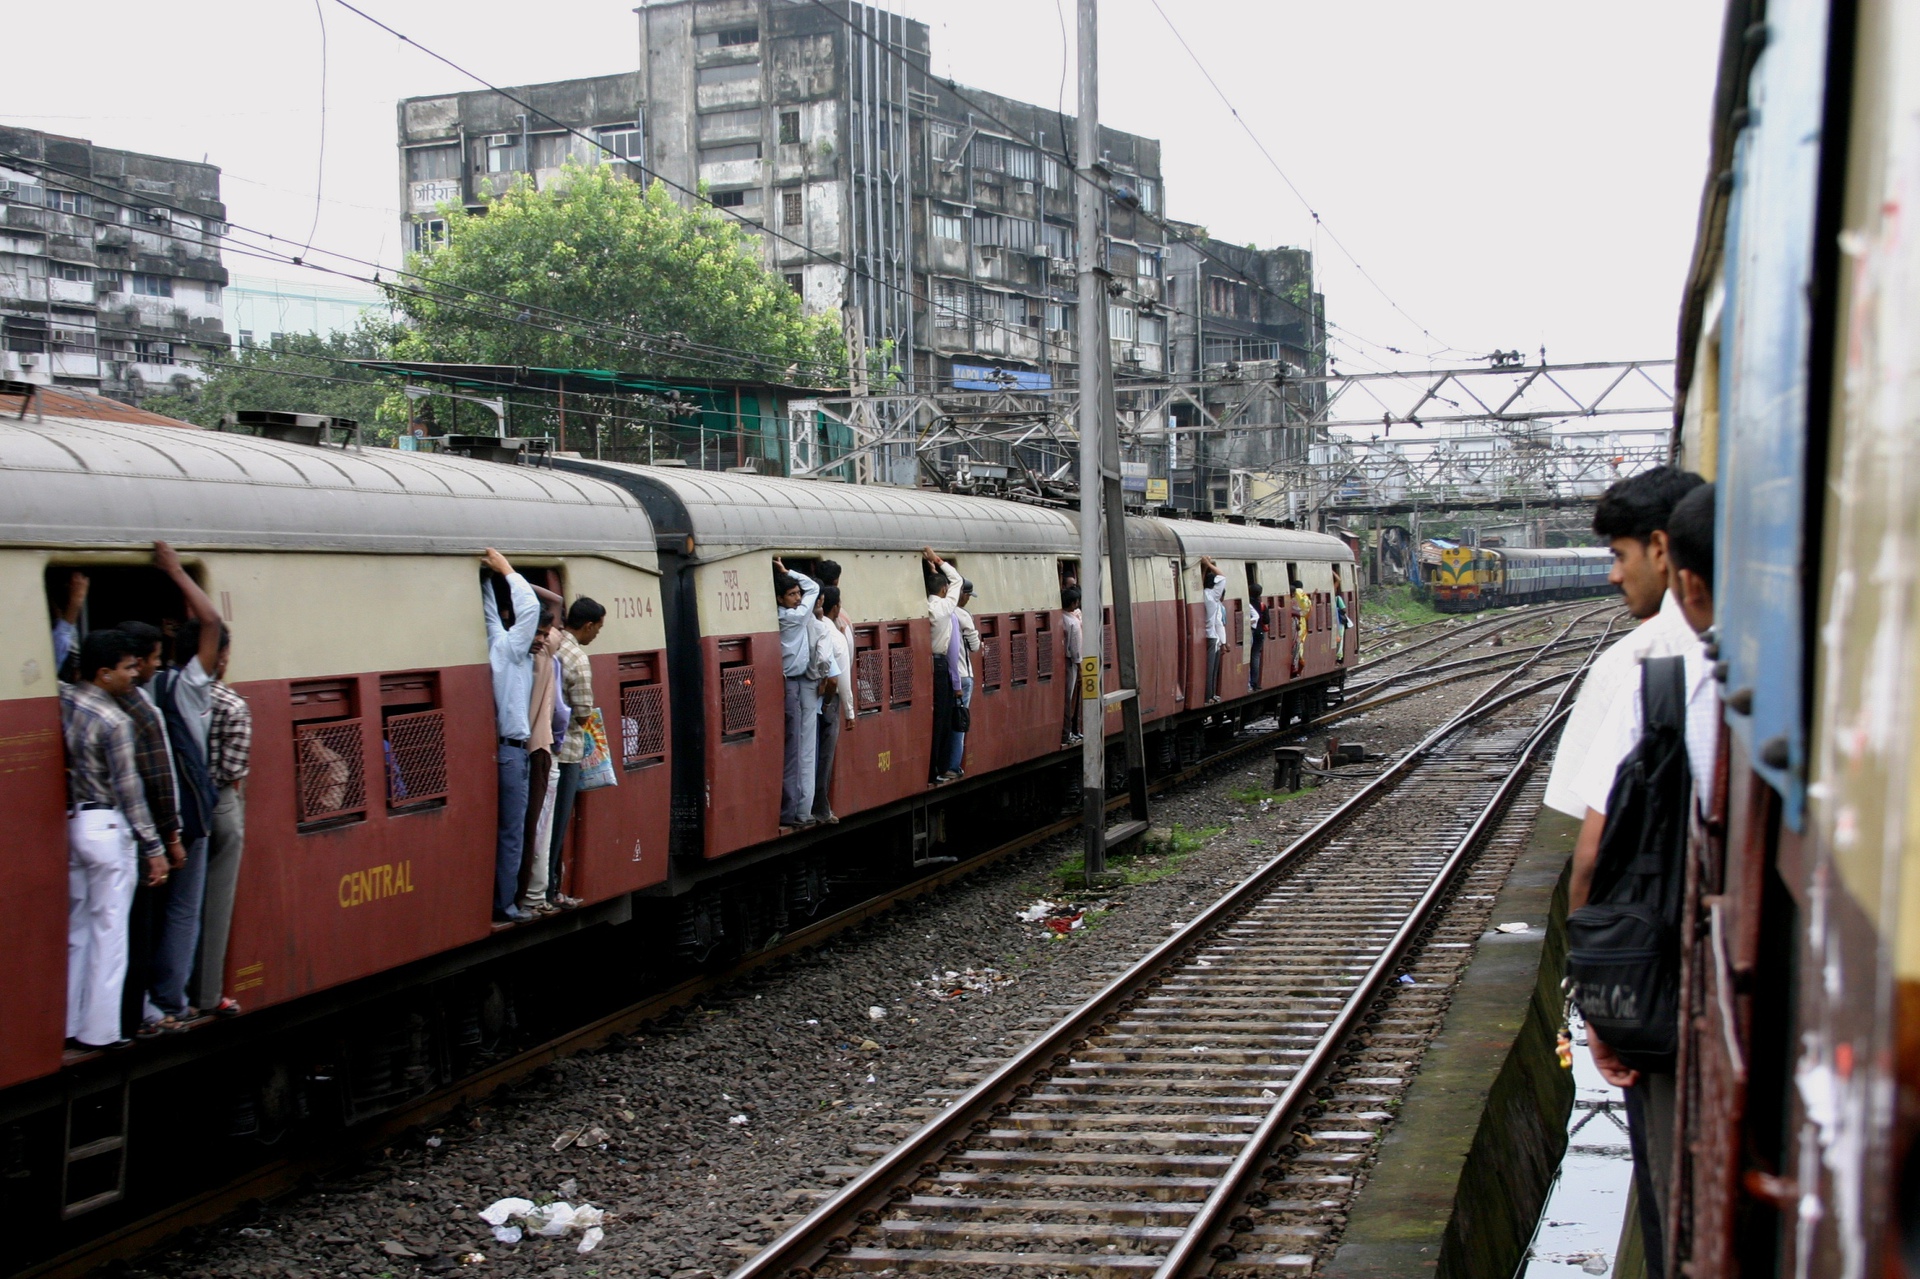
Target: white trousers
[537,851]
[101,870]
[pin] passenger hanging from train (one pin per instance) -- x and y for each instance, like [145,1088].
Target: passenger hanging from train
[796,593]
[1256,635]
[943,594]
[836,707]
[585,618]
[1649,1078]
[512,613]
[229,759]
[66,625]
[153,757]
[828,673]
[963,697]
[1302,619]
[1071,644]
[111,840]
[1341,622]
[1632,515]
[1214,585]
[547,720]
[184,694]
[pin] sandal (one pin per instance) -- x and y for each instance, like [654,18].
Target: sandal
[165,1026]
[227,1007]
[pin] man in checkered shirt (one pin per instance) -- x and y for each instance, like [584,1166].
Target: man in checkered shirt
[585,617]
[229,756]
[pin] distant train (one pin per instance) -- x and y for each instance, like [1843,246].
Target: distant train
[1470,578]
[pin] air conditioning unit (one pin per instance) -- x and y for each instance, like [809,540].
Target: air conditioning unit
[8,188]
[1025,188]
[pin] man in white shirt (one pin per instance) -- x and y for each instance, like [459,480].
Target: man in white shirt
[1651,1095]
[942,598]
[1632,516]
[833,660]
[796,593]
[1072,644]
[963,696]
[1213,585]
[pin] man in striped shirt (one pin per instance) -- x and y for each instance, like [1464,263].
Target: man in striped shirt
[229,758]
[108,830]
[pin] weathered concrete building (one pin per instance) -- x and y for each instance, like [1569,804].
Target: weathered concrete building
[110,268]
[939,222]
[1243,321]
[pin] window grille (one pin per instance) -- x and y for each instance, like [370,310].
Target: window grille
[330,774]
[643,724]
[416,751]
[739,709]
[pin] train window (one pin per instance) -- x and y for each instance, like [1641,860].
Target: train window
[1107,641]
[739,704]
[117,593]
[1069,571]
[1043,647]
[413,741]
[1236,626]
[869,668]
[1019,658]
[329,753]
[990,656]
[899,666]
[643,711]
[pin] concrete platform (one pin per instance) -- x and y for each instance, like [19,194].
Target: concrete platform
[1465,1171]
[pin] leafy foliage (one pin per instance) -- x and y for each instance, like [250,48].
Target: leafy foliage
[671,291]
[299,373]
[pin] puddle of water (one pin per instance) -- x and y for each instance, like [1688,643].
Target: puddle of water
[1580,1227]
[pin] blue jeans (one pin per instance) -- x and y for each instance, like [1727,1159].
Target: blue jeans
[803,748]
[176,937]
[959,750]
[565,789]
[510,842]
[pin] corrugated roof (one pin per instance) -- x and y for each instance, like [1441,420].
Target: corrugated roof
[98,483]
[80,406]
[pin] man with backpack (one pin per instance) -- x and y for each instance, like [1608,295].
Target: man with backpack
[1649,770]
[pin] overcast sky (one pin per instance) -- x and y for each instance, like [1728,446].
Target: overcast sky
[1510,174]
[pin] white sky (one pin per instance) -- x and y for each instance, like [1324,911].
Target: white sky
[1512,174]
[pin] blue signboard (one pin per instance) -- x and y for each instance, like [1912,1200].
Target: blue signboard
[1765,331]
[978,377]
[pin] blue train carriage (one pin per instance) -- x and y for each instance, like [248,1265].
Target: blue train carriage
[1526,576]
[1799,1141]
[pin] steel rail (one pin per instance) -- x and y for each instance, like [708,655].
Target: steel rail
[827,1230]
[1461,631]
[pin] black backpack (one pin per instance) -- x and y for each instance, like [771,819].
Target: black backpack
[1623,946]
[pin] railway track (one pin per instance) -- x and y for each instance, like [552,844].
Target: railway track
[1150,1131]
[282,1174]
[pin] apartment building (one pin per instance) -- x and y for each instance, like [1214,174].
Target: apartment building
[939,222]
[110,266]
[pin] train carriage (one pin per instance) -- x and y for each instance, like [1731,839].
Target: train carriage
[1521,575]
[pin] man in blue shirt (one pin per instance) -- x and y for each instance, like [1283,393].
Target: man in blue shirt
[796,593]
[513,618]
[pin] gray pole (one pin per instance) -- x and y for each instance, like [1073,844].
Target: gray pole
[1095,355]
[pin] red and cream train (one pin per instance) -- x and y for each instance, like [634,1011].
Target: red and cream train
[350,580]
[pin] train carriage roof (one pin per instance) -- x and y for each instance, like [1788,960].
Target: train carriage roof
[1522,554]
[1254,542]
[76,482]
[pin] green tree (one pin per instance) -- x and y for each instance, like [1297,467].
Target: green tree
[659,289]
[299,373]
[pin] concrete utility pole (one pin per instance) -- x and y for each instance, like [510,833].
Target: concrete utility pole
[1100,486]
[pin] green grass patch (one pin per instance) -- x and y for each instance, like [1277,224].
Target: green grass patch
[1398,603]
[1254,794]
[1161,854]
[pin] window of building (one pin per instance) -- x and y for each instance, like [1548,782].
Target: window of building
[789,126]
[1058,239]
[275,339]
[738,73]
[734,151]
[550,150]
[71,271]
[66,201]
[1153,331]
[1022,163]
[246,337]
[110,281]
[792,212]
[949,304]
[152,286]
[504,154]
[731,38]
[748,197]
[990,155]
[622,140]
[429,234]
[949,226]
[1059,317]
[942,139]
[727,126]
[1055,173]
[426,164]
[212,290]
[1122,323]
[797,282]
[147,351]
[1147,265]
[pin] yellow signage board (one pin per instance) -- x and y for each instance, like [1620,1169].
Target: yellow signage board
[1089,678]
[1156,490]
